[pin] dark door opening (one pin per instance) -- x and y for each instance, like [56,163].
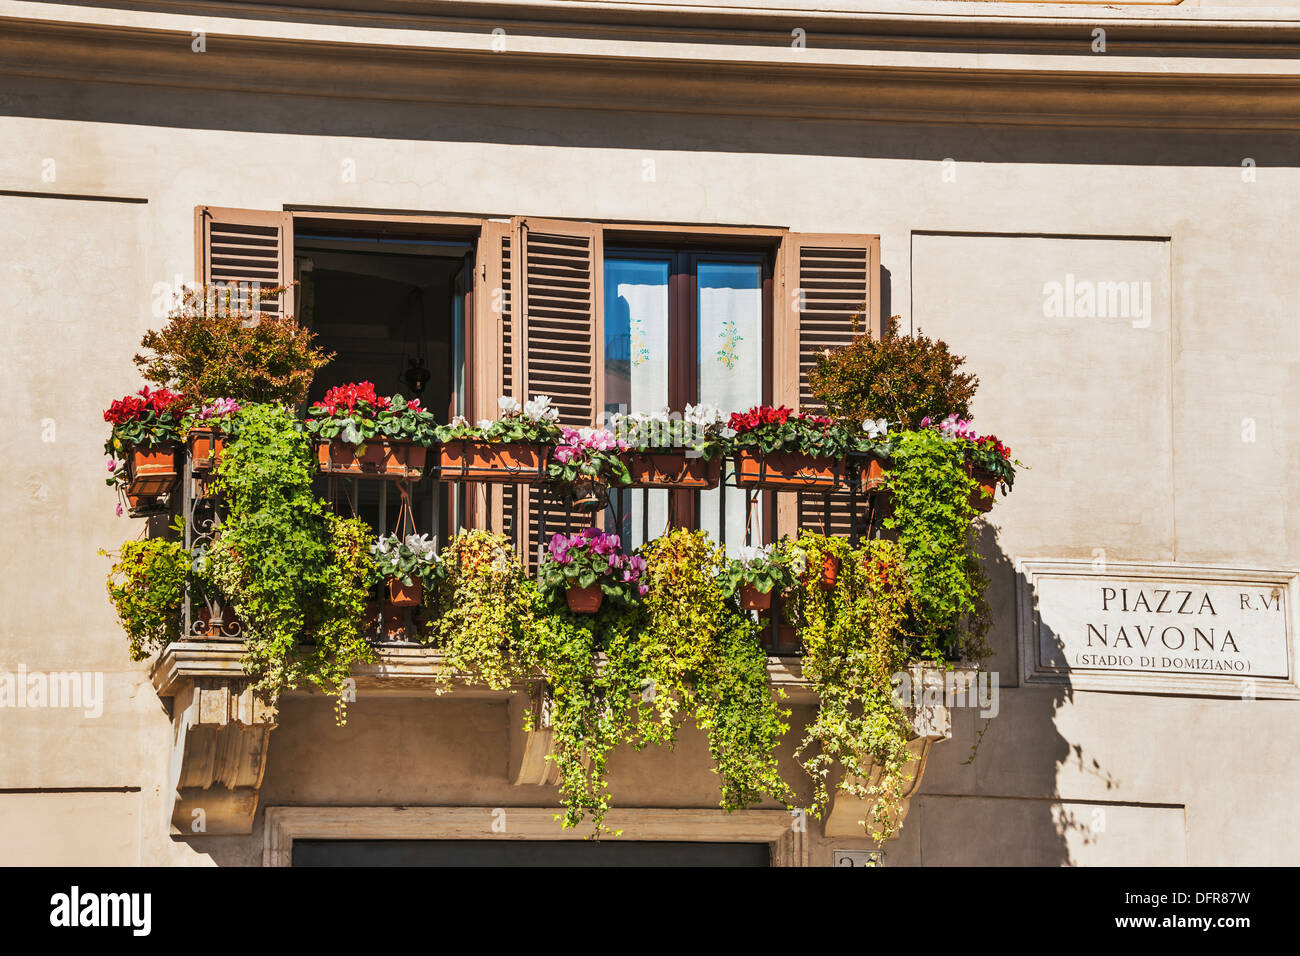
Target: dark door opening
[392,310]
[526,853]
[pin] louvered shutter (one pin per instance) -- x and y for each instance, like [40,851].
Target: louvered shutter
[556,294]
[495,362]
[245,246]
[831,293]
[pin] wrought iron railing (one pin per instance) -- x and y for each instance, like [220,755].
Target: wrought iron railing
[439,506]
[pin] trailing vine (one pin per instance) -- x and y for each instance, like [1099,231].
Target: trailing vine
[484,606]
[294,572]
[852,640]
[696,653]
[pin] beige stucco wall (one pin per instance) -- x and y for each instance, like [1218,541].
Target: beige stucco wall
[1134,436]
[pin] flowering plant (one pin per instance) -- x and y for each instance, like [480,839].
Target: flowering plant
[984,452]
[415,556]
[588,455]
[701,430]
[593,557]
[218,415]
[763,568]
[782,429]
[145,418]
[535,421]
[356,414]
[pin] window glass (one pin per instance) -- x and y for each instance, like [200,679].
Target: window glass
[729,352]
[636,367]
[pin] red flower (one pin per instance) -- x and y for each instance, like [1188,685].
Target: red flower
[348,397]
[758,416]
[131,407]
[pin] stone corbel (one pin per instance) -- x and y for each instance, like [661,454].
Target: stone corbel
[220,736]
[530,748]
[931,723]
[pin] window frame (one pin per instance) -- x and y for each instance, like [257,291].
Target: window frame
[684,258]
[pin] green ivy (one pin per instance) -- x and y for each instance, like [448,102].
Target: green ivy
[931,518]
[147,587]
[296,574]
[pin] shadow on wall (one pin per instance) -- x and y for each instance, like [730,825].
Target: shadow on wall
[989,796]
[611,129]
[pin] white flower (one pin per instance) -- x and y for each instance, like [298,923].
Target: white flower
[875,428]
[508,405]
[704,415]
[727,433]
[752,556]
[539,409]
[485,423]
[459,421]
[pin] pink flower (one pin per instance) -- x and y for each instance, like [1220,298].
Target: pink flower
[119,509]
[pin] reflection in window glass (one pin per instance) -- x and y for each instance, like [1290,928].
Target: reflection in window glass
[636,366]
[730,367]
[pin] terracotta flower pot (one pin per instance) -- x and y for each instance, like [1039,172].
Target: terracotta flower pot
[402,595]
[206,447]
[785,470]
[151,469]
[671,469]
[584,600]
[830,571]
[494,462]
[389,458]
[982,498]
[752,599]
[873,475]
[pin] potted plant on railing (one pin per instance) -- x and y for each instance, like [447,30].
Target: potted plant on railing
[988,461]
[142,448]
[361,433]
[513,449]
[207,428]
[590,565]
[753,572]
[665,451]
[406,565]
[584,464]
[780,448]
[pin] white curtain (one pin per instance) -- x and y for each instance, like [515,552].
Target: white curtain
[730,307]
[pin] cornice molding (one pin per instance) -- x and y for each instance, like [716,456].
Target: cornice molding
[885,85]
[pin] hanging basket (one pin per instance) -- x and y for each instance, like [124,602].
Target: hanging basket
[404,595]
[752,599]
[391,459]
[151,470]
[671,469]
[829,572]
[494,462]
[584,600]
[787,471]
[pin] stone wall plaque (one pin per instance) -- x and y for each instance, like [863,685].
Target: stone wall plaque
[1158,628]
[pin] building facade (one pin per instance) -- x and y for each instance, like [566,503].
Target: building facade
[1090,202]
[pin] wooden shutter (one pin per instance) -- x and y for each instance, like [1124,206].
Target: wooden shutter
[557,337]
[245,246]
[827,282]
